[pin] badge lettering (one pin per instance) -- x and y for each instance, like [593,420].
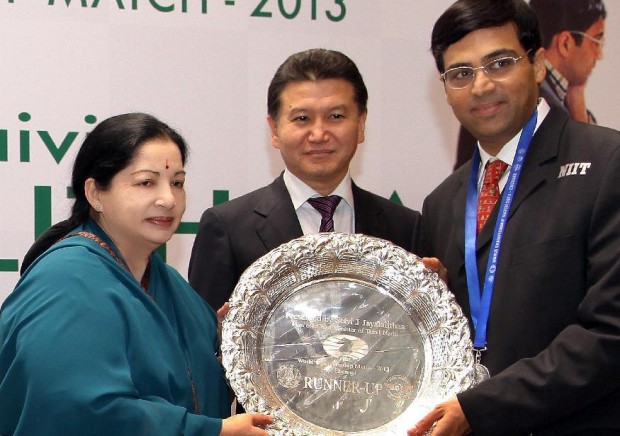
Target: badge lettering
[574,169]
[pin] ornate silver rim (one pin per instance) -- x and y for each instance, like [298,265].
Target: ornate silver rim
[448,367]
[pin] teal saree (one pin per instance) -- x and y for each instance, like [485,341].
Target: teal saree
[86,351]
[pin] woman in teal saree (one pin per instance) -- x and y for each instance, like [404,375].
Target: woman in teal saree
[100,336]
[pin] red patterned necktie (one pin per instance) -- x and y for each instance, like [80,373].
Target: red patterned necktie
[489,194]
[326,207]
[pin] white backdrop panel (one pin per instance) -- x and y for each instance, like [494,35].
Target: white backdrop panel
[207,75]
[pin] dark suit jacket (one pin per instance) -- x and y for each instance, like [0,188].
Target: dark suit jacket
[233,235]
[554,327]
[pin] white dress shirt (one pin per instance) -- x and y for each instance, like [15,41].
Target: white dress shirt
[508,151]
[310,218]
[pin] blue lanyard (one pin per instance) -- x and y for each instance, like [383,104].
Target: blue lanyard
[480,303]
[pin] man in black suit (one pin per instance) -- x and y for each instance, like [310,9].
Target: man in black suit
[539,280]
[317,114]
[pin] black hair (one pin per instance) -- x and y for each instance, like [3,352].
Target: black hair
[107,150]
[466,16]
[556,16]
[314,65]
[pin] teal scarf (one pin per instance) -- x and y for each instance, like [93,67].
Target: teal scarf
[86,351]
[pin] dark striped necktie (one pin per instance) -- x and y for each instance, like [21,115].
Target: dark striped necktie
[326,207]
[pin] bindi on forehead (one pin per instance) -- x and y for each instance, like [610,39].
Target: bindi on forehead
[167,166]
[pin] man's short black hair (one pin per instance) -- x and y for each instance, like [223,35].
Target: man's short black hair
[556,16]
[466,16]
[315,65]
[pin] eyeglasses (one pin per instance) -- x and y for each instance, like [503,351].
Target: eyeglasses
[599,41]
[497,70]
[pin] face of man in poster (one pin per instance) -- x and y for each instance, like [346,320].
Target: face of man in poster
[581,58]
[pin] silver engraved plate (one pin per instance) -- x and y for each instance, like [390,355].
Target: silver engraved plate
[336,334]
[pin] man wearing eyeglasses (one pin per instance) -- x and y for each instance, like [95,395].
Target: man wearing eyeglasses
[573,37]
[529,230]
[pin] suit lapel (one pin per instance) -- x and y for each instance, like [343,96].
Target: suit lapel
[367,213]
[544,148]
[277,221]
[458,206]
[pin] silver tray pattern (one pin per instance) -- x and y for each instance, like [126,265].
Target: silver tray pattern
[324,374]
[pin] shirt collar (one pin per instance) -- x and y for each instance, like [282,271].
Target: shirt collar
[558,82]
[508,151]
[300,191]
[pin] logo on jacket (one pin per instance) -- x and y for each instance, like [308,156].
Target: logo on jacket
[574,169]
